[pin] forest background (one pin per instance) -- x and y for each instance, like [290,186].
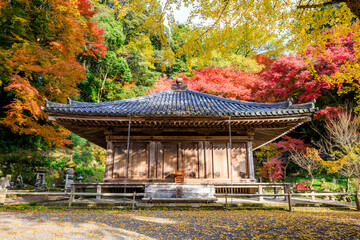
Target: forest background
[101,50]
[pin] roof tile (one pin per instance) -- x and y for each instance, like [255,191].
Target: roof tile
[183,103]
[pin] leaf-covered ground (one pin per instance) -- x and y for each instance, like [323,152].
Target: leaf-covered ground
[255,224]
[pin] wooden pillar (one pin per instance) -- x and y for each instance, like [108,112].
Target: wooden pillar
[250,161]
[109,160]
[201,158]
[229,161]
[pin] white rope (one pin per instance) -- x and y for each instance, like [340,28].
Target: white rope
[127,155]
[231,170]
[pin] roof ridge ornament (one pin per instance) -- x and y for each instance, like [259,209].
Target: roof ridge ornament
[179,86]
[69,100]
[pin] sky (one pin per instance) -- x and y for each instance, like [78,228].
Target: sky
[182,14]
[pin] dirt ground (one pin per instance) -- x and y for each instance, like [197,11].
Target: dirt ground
[194,224]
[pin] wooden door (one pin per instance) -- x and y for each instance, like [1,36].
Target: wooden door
[190,159]
[159,156]
[139,160]
[119,160]
[220,161]
[170,154]
[239,161]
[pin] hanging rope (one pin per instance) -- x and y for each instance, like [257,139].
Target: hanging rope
[231,170]
[127,155]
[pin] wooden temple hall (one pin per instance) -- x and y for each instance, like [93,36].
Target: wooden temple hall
[180,135]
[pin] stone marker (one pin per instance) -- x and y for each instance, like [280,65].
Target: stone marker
[2,196]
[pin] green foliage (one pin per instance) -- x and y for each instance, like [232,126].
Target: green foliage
[105,77]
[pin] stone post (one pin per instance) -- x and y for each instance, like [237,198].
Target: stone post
[98,190]
[3,196]
[260,191]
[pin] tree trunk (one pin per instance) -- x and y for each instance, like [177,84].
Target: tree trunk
[347,183]
[312,180]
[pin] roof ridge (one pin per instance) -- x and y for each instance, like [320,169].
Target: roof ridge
[278,104]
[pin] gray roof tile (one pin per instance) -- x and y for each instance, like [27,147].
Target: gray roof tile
[179,103]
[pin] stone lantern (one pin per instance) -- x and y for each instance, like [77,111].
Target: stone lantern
[40,178]
[69,174]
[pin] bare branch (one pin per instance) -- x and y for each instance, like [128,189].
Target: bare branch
[319,5]
[343,130]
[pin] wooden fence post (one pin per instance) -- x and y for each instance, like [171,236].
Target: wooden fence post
[312,195]
[133,203]
[289,201]
[286,190]
[357,200]
[260,190]
[275,192]
[71,197]
[3,196]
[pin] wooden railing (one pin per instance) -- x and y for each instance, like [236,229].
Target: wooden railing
[287,196]
[71,195]
[290,194]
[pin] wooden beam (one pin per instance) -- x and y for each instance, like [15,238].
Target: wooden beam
[212,120]
[177,138]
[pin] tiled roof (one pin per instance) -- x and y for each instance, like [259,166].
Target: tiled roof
[179,103]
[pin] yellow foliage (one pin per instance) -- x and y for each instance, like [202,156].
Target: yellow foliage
[143,46]
[227,26]
[332,166]
[219,59]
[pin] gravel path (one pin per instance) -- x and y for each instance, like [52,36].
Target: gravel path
[196,224]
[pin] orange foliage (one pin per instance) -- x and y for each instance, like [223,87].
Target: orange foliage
[43,63]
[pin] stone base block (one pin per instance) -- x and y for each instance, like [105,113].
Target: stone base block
[179,190]
[180,200]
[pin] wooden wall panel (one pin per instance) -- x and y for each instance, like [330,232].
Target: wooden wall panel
[170,151]
[119,160]
[109,160]
[204,159]
[220,160]
[190,159]
[209,172]
[159,160]
[139,160]
[239,161]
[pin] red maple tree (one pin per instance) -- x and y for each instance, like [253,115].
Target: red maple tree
[226,82]
[39,59]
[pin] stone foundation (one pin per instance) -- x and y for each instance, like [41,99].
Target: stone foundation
[179,191]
